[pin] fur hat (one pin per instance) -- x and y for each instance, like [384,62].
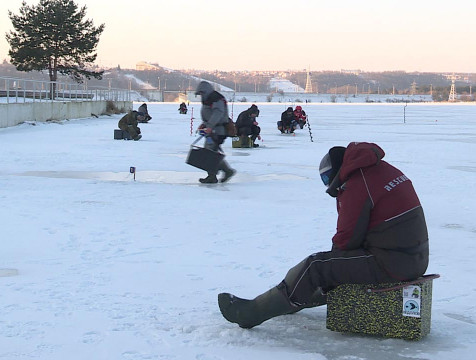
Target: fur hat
[331,163]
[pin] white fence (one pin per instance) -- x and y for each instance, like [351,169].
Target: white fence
[31,100]
[22,90]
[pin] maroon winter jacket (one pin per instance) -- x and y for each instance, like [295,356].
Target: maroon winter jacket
[380,212]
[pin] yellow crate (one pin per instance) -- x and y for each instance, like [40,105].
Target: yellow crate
[236,142]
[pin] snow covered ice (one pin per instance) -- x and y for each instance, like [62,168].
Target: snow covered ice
[112,268]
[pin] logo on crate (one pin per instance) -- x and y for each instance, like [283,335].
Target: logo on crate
[411,301]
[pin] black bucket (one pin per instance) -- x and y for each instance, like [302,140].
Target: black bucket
[204,159]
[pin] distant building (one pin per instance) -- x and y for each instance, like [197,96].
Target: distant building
[142,65]
[351,72]
[452,76]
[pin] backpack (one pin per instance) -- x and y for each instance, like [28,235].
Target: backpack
[230,128]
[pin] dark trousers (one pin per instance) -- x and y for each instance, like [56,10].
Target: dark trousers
[133,130]
[213,142]
[246,131]
[327,270]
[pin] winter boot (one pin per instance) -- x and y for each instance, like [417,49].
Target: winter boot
[249,313]
[253,139]
[210,179]
[228,174]
[138,137]
[318,298]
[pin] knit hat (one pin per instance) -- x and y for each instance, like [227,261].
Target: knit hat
[331,163]
[254,109]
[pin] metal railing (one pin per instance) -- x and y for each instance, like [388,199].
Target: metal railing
[22,90]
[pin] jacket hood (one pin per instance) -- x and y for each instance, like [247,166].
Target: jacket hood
[359,155]
[204,89]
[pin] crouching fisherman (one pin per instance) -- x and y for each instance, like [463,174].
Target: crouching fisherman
[300,116]
[182,108]
[129,123]
[287,124]
[214,113]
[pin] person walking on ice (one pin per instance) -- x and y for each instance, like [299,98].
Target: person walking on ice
[214,113]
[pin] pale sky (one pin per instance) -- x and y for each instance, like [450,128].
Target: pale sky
[371,35]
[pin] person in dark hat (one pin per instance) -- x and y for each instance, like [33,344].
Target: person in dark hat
[381,237]
[143,114]
[214,113]
[247,125]
[182,108]
[287,124]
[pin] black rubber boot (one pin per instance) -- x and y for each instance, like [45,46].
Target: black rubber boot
[253,139]
[228,174]
[249,313]
[210,179]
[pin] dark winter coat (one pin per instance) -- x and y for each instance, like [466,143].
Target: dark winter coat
[214,110]
[379,211]
[130,119]
[245,120]
[287,117]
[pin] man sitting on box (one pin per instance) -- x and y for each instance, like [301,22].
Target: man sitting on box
[129,123]
[247,125]
[381,237]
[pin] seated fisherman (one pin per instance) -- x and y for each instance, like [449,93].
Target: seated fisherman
[182,108]
[143,114]
[247,125]
[129,123]
[381,237]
